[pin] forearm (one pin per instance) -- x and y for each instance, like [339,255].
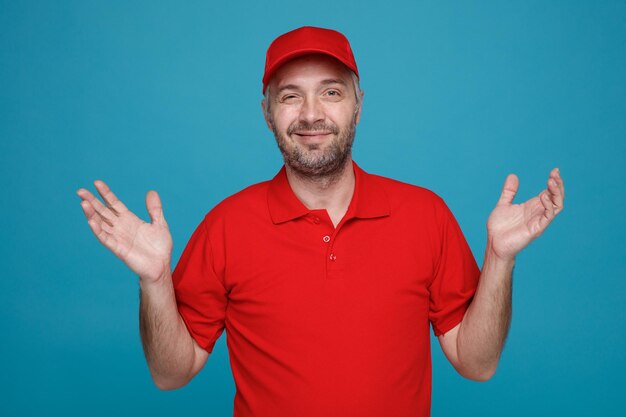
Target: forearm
[486,323]
[167,344]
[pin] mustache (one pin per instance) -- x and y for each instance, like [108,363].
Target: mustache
[312,127]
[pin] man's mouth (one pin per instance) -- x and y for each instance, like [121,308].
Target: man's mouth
[312,138]
[312,129]
[312,133]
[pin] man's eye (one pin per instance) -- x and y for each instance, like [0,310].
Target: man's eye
[332,93]
[289,97]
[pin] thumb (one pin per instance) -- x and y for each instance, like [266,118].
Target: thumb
[509,190]
[155,210]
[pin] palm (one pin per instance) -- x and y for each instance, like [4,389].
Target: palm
[145,247]
[511,227]
[142,246]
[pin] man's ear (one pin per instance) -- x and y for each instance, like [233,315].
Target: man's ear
[266,116]
[357,116]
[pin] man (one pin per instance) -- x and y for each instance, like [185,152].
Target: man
[325,278]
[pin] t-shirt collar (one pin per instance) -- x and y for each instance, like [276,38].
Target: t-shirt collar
[368,201]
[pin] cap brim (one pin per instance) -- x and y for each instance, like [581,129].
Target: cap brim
[296,54]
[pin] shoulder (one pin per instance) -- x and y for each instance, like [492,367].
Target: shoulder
[401,193]
[247,203]
[411,204]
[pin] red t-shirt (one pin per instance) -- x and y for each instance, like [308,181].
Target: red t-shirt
[325,321]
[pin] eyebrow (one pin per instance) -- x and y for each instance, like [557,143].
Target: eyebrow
[333,81]
[328,81]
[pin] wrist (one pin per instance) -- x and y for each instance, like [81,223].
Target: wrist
[498,257]
[157,280]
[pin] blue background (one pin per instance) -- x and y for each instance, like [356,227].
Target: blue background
[166,96]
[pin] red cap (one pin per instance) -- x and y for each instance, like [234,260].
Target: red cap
[307,40]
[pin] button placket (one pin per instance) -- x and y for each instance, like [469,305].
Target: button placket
[331,256]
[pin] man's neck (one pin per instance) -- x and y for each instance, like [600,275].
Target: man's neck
[332,193]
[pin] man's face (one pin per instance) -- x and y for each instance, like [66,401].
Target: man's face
[313,114]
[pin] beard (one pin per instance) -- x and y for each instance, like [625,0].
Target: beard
[309,161]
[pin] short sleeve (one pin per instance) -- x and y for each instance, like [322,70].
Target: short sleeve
[200,295]
[455,278]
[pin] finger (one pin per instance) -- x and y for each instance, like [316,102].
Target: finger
[556,197]
[558,187]
[96,227]
[87,209]
[509,190]
[100,227]
[101,235]
[155,208]
[90,212]
[559,181]
[556,175]
[555,172]
[104,212]
[84,194]
[107,228]
[548,207]
[544,217]
[93,215]
[114,203]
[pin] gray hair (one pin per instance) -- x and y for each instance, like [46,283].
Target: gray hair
[357,92]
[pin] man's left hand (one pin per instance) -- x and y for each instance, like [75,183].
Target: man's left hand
[511,227]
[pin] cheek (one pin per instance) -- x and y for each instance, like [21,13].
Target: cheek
[284,118]
[346,117]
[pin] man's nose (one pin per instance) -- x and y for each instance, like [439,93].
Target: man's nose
[311,111]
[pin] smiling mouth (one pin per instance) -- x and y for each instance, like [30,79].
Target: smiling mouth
[312,134]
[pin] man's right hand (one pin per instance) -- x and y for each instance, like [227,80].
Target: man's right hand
[145,247]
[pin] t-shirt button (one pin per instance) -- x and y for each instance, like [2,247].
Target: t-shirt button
[316,220]
[326,239]
[333,257]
